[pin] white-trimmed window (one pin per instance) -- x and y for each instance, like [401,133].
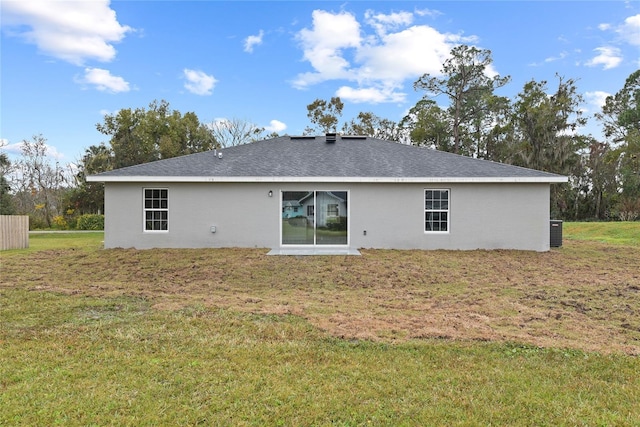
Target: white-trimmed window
[436,210]
[156,209]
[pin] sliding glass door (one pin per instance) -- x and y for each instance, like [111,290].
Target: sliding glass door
[314,218]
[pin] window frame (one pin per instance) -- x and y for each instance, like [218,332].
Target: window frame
[313,212]
[333,210]
[145,209]
[440,210]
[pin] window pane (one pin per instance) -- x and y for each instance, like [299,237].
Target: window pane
[155,209]
[331,218]
[297,229]
[436,210]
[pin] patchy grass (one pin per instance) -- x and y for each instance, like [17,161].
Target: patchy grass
[235,337]
[585,295]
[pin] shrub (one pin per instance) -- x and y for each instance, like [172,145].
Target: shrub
[298,221]
[59,222]
[337,224]
[37,222]
[72,222]
[90,222]
[628,209]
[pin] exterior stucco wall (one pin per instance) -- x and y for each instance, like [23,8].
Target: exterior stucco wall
[243,214]
[482,216]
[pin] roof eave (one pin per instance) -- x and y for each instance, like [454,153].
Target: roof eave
[353,179]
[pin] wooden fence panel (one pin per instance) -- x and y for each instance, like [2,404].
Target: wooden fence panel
[14,232]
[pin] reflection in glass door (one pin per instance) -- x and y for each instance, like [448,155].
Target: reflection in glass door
[297,225]
[314,218]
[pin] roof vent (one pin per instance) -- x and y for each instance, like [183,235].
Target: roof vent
[331,138]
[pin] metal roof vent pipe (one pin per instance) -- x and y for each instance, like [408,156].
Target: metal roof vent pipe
[331,138]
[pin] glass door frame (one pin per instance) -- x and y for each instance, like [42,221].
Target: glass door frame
[315,243]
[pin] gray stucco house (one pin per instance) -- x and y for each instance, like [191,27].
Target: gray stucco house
[327,194]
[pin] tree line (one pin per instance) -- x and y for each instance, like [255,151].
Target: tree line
[459,112]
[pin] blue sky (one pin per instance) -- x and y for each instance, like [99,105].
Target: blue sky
[65,64]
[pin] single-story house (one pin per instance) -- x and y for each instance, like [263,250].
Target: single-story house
[327,194]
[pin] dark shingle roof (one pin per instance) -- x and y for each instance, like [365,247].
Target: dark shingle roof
[348,159]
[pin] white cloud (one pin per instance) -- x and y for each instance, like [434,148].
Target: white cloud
[323,46]
[104,81]
[275,126]
[370,95]
[629,31]
[74,31]
[596,98]
[53,152]
[405,54]
[383,23]
[428,12]
[198,82]
[379,62]
[609,57]
[252,41]
[16,150]
[562,55]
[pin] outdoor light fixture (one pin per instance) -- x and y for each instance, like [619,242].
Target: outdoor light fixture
[270,193]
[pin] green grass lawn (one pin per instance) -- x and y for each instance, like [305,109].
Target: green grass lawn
[89,240]
[97,337]
[617,233]
[116,361]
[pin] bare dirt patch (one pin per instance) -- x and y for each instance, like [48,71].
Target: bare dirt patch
[584,295]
